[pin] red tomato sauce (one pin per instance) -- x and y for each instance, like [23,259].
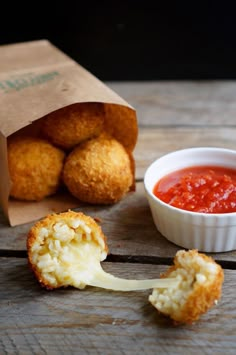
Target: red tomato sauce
[207,189]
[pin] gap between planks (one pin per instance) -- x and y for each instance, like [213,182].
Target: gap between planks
[132,259]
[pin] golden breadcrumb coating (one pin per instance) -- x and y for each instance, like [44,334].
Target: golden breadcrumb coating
[35,167]
[74,124]
[62,247]
[121,124]
[99,171]
[200,283]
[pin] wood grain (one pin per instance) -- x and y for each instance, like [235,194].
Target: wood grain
[96,321]
[202,103]
[171,116]
[157,141]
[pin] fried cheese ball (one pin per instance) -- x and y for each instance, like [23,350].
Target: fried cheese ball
[35,168]
[118,121]
[66,250]
[63,246]
[99,171]
[200,283]
[72,125]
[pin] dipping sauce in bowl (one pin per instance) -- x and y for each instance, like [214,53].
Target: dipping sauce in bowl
[207,189]
[192,197]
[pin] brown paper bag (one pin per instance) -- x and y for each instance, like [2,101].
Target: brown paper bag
[35,79]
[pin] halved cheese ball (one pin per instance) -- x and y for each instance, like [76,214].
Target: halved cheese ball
[199,288]
[66,250]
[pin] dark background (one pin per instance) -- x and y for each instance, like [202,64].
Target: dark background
[133,40]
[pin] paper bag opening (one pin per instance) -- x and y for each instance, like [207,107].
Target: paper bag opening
[36,80]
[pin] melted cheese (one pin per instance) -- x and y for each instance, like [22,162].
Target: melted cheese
[70,257]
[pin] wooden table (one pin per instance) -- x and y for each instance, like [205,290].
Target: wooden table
[171,116]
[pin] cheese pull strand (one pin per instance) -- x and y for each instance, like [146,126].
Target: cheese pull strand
[110,282]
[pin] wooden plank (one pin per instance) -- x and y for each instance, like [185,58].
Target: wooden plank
[195,103]
[96,321]
[128,226]
[157,141]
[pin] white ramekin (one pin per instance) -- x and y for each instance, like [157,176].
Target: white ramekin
[192,230]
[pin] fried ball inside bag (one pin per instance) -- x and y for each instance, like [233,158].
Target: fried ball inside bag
[200,285]
[35,168]
[99,171]
[74,124]
[121,124]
